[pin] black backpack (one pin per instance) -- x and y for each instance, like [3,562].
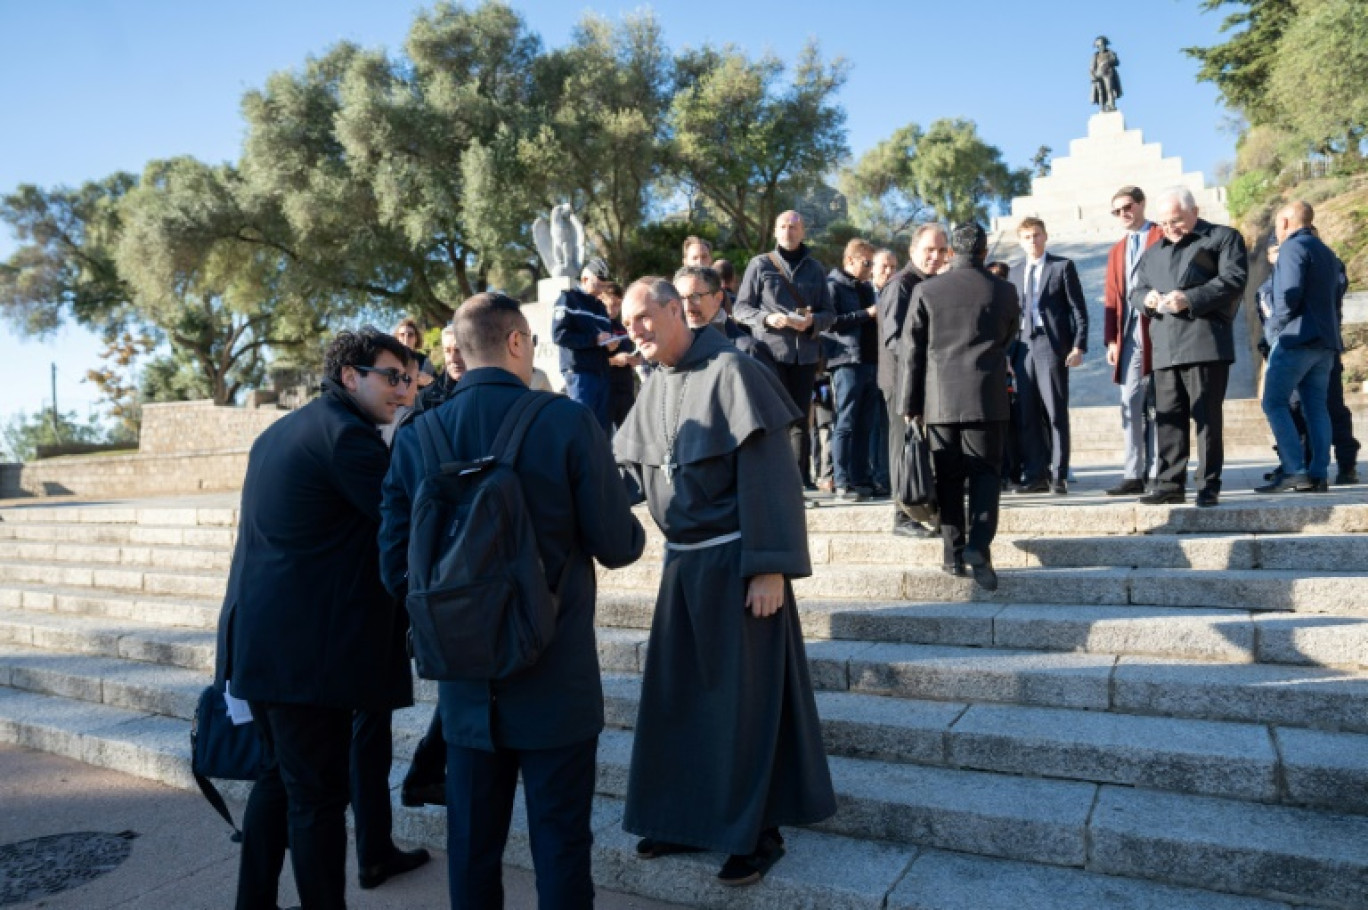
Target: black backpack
[479,604]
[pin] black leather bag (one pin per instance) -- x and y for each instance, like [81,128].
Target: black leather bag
[222,749]
[914,482]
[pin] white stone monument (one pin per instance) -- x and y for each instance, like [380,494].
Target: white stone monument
[1075,199]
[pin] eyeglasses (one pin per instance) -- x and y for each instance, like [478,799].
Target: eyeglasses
[698,297]
[392,376]
[1122,209]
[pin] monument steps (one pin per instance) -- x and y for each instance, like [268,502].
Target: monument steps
[1041,724]
[1057,823]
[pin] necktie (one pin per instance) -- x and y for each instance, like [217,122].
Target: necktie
[1132,257]
[1033,314]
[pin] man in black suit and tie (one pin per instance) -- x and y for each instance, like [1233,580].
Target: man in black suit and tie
[309,637]
[1053,338]
[959,326]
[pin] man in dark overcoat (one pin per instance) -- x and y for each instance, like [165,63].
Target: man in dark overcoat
[927,255]
[1190,284]
[544,722]
[728,746]
[959,326]
[308,636]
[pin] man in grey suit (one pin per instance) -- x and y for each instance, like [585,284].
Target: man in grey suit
[1190,285]
[1053,338]
[959,326]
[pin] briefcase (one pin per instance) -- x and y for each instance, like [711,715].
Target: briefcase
[914,481]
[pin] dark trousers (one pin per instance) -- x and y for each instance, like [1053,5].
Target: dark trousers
[372,755]
[299,801]
[1043,408]
[798,380]
[1194,393]
[857,406]
[558,786]
[972,451]
[1341,420]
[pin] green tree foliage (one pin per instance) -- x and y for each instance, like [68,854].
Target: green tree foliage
[601,142]
[23,433]
[946,172]
[750,144]
[189,249]
[64,266]
[368,156]
[1242,66]
[1319,81]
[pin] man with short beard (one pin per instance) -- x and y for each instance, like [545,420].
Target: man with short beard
[700,288]
[927,254]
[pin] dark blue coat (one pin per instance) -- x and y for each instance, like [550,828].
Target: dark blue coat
[578,504]
[1306,294]
[305,618]
[576,322]
[854,334]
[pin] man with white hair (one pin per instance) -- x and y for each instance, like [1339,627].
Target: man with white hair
[1189,284]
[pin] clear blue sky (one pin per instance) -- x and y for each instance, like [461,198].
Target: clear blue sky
[92,87]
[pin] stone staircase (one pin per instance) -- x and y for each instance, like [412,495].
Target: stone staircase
[1161,707]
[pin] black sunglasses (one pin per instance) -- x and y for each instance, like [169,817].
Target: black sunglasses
[392,376]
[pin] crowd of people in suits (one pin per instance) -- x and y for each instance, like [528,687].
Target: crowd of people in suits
[975,356]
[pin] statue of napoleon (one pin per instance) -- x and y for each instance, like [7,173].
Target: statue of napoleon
[1106,82]
[560,241]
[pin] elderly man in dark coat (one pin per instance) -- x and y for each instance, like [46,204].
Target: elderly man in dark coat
[308,634]
[1189,284]
[542,723]
[959,327]
[728,745]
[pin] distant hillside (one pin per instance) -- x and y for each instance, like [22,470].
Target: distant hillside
[1341,205]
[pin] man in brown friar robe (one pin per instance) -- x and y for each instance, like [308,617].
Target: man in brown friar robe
[728,745]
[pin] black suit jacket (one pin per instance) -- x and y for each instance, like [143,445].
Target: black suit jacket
[892,309]
[305,618]
[1063,308]
[578,505]
[959,326]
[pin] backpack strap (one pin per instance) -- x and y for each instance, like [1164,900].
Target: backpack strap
[783,276]
[514,427]
[436,447]
[215,798]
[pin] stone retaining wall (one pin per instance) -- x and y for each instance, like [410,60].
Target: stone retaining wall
[130,475]
[178,427]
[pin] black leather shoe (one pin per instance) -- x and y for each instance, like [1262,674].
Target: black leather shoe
[1163,497]
[851,494]
[1060,488]
[1127,488]
[413,795]
[1345,477]
[1319,486]
[749,869]
[400,861]
[1208,498]
[1035,486]
[981,566]
[1287,483]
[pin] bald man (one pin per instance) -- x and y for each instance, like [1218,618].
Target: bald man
[1304,332]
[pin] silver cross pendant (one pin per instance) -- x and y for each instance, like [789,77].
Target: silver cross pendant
[669,468]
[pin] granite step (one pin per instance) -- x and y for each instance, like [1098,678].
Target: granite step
[1252,589]
[156,609]
[1231,760]
[184,582]
[1190,633]
[149,556]
[126,534]
[1159,840]
[133,512]
[192,649]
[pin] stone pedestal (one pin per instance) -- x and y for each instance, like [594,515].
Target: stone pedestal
[1075,200]
[539,318]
